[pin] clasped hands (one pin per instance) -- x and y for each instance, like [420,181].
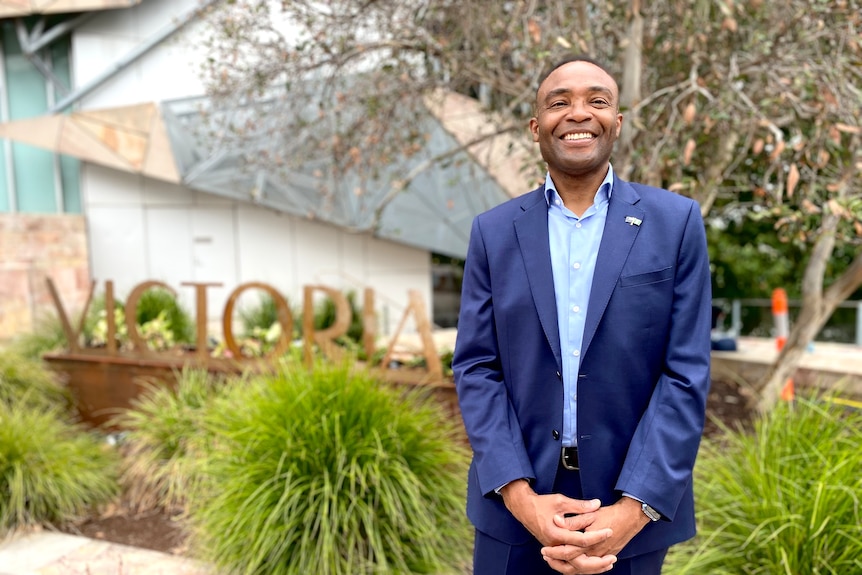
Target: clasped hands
[578,536]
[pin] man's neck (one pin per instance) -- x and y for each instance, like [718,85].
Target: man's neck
[578,191]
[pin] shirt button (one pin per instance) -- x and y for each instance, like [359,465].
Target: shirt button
[576,308]
[577,225]
[576,353]
[576,265]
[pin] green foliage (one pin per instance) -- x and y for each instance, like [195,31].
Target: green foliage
[156,303]
[25,383]
[46,336]
[163,438]
[50,471]
[748,261]
[259,317]
[324,316]
[784,499]
[330,472]
[261,328]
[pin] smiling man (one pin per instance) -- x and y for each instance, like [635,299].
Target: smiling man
[582,357]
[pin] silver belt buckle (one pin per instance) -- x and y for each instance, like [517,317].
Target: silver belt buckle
[569,458]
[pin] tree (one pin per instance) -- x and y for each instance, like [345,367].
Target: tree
[747,107]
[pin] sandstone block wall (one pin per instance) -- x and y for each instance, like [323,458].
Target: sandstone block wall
[33,247]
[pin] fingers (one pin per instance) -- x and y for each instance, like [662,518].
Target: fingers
[578,506]
[573,535]
[573,522]
[570,560]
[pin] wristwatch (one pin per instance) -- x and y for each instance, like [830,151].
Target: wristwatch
[650,512]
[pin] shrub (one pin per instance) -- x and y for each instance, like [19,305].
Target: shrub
[329,472]
[259,317]
[158,303]
[26,384]
[785,499]
[46,336]
[96,324]
[50,471]
[324,317]
[162,439]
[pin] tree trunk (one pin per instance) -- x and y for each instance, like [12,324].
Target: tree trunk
[817,308]
[630,91]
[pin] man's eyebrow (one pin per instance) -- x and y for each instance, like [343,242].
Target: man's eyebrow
[558,92]
[566,91]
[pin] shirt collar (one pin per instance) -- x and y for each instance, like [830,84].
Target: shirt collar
[603,193]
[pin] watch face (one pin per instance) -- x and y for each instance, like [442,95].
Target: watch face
[650,512]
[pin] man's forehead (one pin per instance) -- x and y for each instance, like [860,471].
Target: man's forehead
[577,73]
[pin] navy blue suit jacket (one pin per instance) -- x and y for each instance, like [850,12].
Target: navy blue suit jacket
[644,371]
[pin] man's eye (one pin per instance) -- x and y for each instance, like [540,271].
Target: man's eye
[600,102]
[557,104]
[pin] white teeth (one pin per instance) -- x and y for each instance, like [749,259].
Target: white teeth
[583,136]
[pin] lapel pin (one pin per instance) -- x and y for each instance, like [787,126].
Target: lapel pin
[633,221]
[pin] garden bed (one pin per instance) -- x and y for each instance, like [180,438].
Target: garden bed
[164,532]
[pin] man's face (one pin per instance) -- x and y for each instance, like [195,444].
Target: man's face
[577,119]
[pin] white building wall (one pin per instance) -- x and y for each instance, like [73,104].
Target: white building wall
[139,231]
[143,229]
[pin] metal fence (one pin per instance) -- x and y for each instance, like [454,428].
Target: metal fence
[753,317]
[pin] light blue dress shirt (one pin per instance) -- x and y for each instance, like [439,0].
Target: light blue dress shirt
[574,245]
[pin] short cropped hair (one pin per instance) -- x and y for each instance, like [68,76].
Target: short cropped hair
[574,58]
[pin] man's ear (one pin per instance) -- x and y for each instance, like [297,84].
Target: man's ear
[534,128]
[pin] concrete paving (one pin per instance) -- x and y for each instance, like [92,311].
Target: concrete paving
[49,553]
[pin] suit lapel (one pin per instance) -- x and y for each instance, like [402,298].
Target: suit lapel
[531,229]
[617,240]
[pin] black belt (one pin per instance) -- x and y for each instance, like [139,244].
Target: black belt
[569,457]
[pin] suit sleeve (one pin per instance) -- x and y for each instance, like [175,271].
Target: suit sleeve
[499,455]
[661,456]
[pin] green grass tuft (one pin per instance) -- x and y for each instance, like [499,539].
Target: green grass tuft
[330,472]
[163,440]
[784,499]
[47,336]
[50,471]
[25,383]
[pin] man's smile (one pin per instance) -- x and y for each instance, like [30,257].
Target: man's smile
[578,136]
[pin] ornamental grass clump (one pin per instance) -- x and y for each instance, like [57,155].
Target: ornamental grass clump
[46,336]
[50,471]
[162,440]
[331,472]
[784,499]
[26,383]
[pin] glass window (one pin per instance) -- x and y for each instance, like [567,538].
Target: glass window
[37,172]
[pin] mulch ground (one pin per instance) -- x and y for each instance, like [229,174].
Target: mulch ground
[163,532]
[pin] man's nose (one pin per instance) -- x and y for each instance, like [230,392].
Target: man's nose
[579,111]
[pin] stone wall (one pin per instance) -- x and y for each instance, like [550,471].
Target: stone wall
[32,248]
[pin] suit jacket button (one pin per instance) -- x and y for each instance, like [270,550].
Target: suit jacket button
[559,375]
[555,434]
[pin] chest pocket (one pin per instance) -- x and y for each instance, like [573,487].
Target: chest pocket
[647,278]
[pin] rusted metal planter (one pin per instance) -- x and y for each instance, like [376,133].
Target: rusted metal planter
[104,385]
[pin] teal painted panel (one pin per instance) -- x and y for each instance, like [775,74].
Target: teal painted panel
[70,168]
[70,176]
[4,189]
[34,168]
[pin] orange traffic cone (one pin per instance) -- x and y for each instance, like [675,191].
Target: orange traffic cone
[782,330]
